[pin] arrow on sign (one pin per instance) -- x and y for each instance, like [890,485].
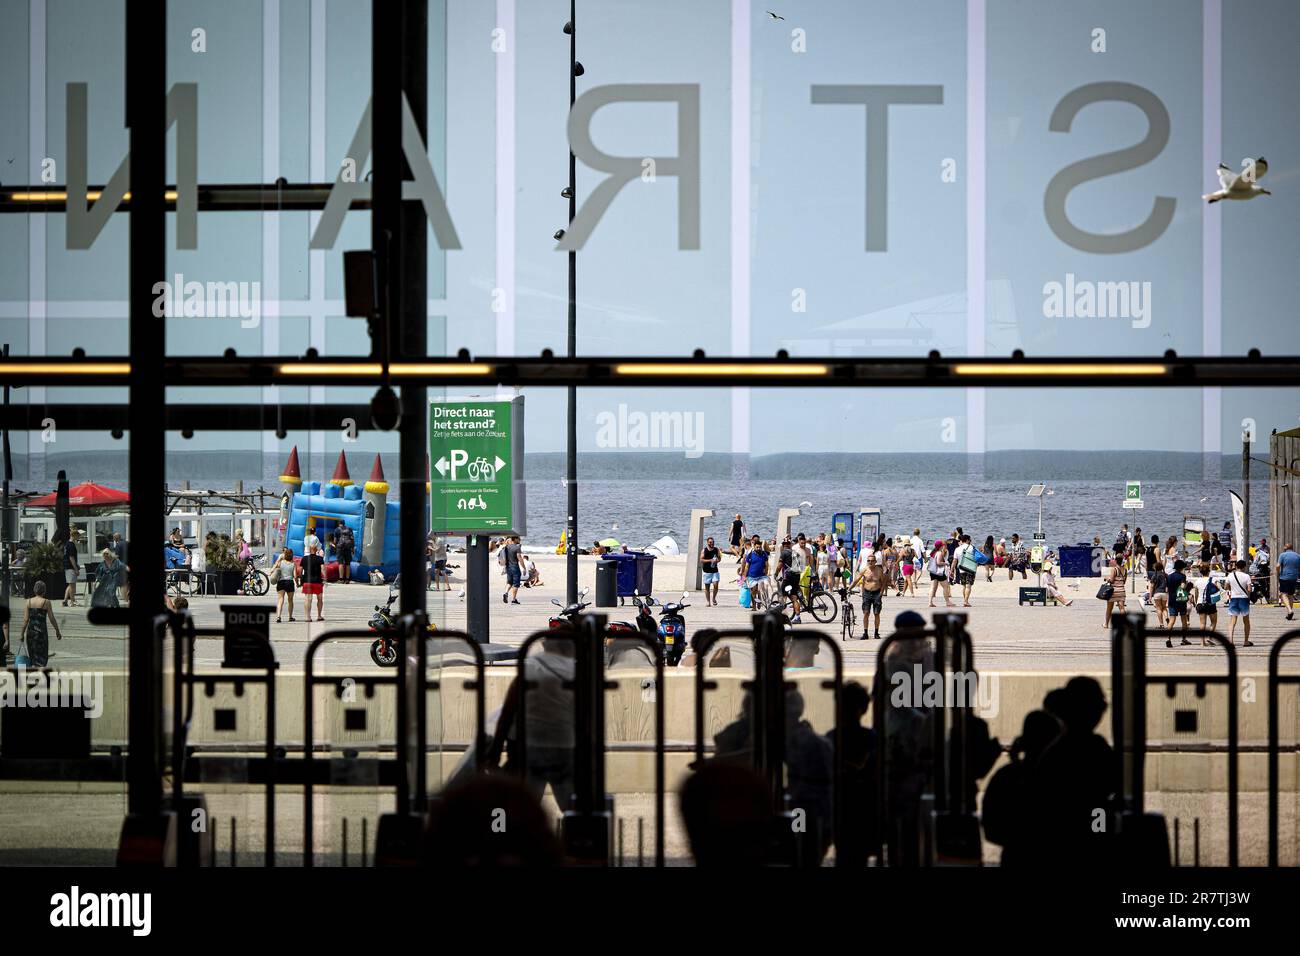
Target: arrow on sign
[441,465]
[499,464]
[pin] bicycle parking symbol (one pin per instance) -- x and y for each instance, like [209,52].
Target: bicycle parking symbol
[457,464]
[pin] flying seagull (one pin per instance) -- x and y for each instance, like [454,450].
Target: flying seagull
[775,16]
[805,504]
[1239,185]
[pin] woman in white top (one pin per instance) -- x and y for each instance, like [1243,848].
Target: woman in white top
[1171,554]
[938,570]
[282,574]
[1238,583]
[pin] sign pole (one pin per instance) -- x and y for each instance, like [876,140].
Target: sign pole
[476,588]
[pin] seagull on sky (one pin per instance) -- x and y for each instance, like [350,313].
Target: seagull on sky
[775,16]
[1239,185]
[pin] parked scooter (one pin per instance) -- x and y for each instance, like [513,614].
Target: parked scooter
[620,652]
[568,616]
[384,651]
[672,631]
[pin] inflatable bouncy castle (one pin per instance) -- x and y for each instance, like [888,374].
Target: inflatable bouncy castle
[312,508]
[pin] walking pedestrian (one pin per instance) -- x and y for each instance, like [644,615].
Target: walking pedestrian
[514,556]
[311,580]
[965,566]
[1238,581]
[282,574]
[1180,593]
[937,567]
[1207,607]
[1288,573]
[347,543]
[1114,579]
[709,558]
[71,567]
[37,613]
[737,534]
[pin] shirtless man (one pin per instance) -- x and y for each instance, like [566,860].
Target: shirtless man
[872,578]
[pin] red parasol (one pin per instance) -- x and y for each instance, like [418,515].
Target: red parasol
[85,495]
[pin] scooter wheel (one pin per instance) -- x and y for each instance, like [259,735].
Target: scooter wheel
[384,656]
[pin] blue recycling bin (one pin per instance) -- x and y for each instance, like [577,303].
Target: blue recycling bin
[635,572]
[1077,562]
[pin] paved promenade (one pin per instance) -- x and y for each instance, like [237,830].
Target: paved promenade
[1007,637]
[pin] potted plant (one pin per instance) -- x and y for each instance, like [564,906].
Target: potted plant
[45,563]
[227,574]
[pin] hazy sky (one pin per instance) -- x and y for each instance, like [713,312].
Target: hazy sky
[804,230]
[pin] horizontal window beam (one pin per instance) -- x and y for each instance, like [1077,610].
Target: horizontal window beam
[215,197]
[673,371]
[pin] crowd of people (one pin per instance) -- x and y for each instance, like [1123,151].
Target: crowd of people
[1181,579]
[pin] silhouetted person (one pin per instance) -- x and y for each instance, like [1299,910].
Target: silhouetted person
[1008,806]
[810,773]
[490,820]
[860,783]
[727,811]
[906,743]
[809,765]
[1076,779]
[548,719]
[1054,702]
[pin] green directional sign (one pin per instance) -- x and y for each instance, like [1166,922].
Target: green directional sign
[472,467]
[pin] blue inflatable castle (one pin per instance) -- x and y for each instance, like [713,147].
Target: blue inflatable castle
[313,508]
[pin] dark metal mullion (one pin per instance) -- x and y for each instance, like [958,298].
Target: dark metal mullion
[146,77]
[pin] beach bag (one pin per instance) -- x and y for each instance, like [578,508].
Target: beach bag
[22,659]
[936,569]
[968,562]
[746,599]
[980,557]
[376,576]
[1106,592]
[105,595]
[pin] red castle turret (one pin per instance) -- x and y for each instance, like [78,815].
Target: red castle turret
[377,482]
[341,476]
[291,474]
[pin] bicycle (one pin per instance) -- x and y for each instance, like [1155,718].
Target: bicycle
[819,602]
[848,615]
[256,582]
[178,583]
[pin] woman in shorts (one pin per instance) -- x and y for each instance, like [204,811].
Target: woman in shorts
[909,570]
[1115,578]
[1207,607]
[1158,592]
[938,568]
[283,574]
